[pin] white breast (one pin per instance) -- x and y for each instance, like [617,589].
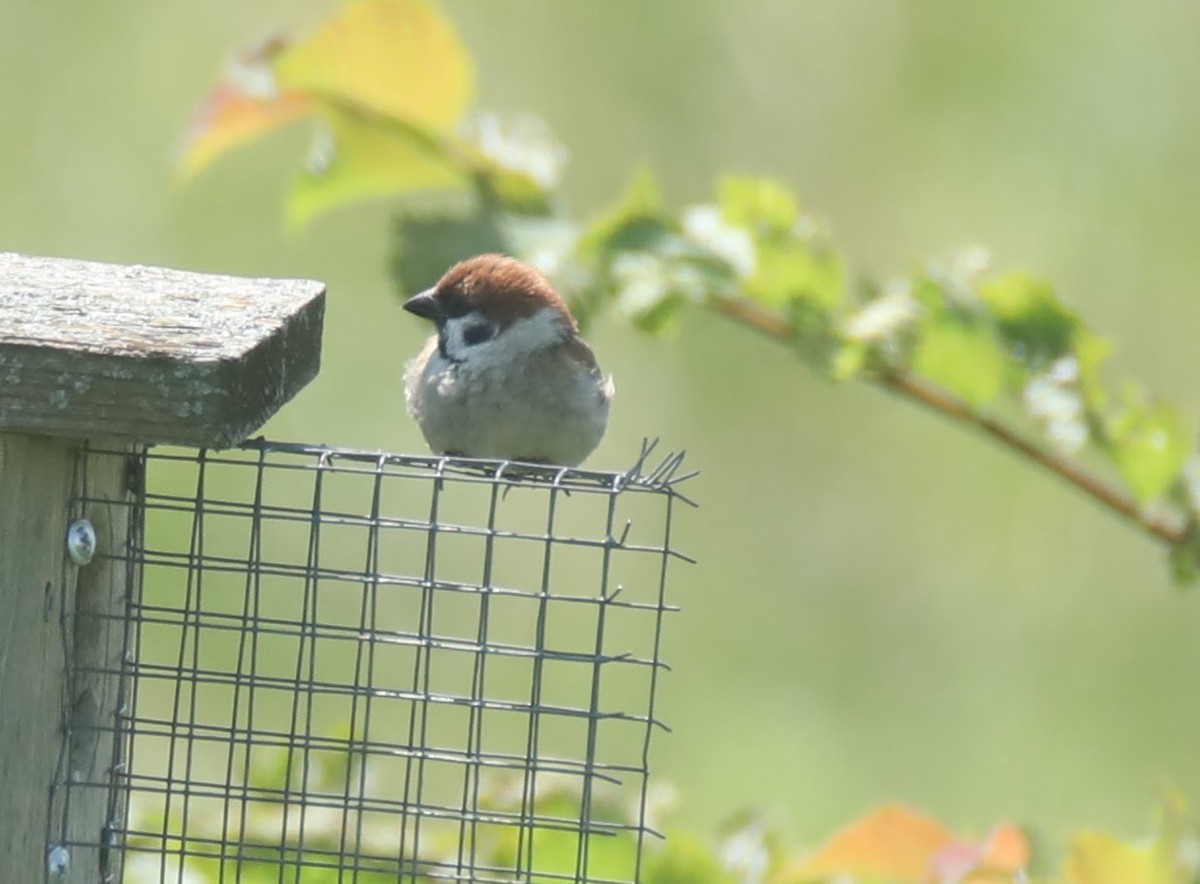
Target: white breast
[519,395]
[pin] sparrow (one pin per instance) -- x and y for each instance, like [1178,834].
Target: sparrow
[506,375]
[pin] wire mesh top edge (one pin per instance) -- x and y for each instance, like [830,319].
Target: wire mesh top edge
[650,472]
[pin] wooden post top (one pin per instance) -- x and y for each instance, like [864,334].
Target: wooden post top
[150,354]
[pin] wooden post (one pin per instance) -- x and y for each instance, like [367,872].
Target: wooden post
[132,356]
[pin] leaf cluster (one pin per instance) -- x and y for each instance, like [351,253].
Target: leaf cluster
[997,350]
[306,833]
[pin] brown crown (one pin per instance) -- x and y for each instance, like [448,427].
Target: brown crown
[502,288]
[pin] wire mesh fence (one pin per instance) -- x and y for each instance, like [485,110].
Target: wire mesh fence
[352,666]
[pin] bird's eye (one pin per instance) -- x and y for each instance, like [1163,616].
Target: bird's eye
[477,332]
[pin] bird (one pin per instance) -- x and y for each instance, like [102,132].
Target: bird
[505,375]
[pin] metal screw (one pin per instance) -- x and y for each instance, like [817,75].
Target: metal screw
[58,860]
[81,541]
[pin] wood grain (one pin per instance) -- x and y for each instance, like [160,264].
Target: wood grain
[61,637]
[149,354]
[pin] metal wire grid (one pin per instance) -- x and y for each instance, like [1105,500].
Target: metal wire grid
[357,666]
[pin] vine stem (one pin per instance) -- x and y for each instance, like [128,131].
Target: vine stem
[947,404]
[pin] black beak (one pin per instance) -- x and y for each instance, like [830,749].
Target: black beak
[425,305]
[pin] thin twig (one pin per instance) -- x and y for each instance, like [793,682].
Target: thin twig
[933,397]
[749,313]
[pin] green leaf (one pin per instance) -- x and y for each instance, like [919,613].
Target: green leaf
[558,856]
[1031,320]
[684,860]
[636,222]
[759,204]
[426,244]
[961,353]
[517,162]
[362,158]
[849,360]
[656,318]
[269,769]
[792,271]
[635,253]
[513,190]
[790,263]
[1185,556]
[1149,443]
[388,80]
[1090,352]
[650,287]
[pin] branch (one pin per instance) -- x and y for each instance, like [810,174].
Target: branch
[896,381]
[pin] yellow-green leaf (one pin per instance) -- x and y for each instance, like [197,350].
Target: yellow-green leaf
[1099,858]
[1090,353]
[389,79]
[683,860]
[399,59]
[758,204]
[960,354]
[1149,444]
[360,159]
[849,359]
[793,271]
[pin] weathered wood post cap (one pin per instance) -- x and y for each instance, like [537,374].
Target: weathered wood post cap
[149,354]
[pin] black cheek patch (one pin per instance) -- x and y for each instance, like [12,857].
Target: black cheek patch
[477,333]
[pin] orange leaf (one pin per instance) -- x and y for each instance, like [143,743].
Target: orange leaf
[998,859]
[1006,848]
[397,58]
[892,841]
[245,105]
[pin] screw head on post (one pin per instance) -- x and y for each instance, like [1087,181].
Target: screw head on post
[58,860]
[81,541]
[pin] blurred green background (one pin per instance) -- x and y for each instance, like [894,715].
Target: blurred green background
[885,606]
